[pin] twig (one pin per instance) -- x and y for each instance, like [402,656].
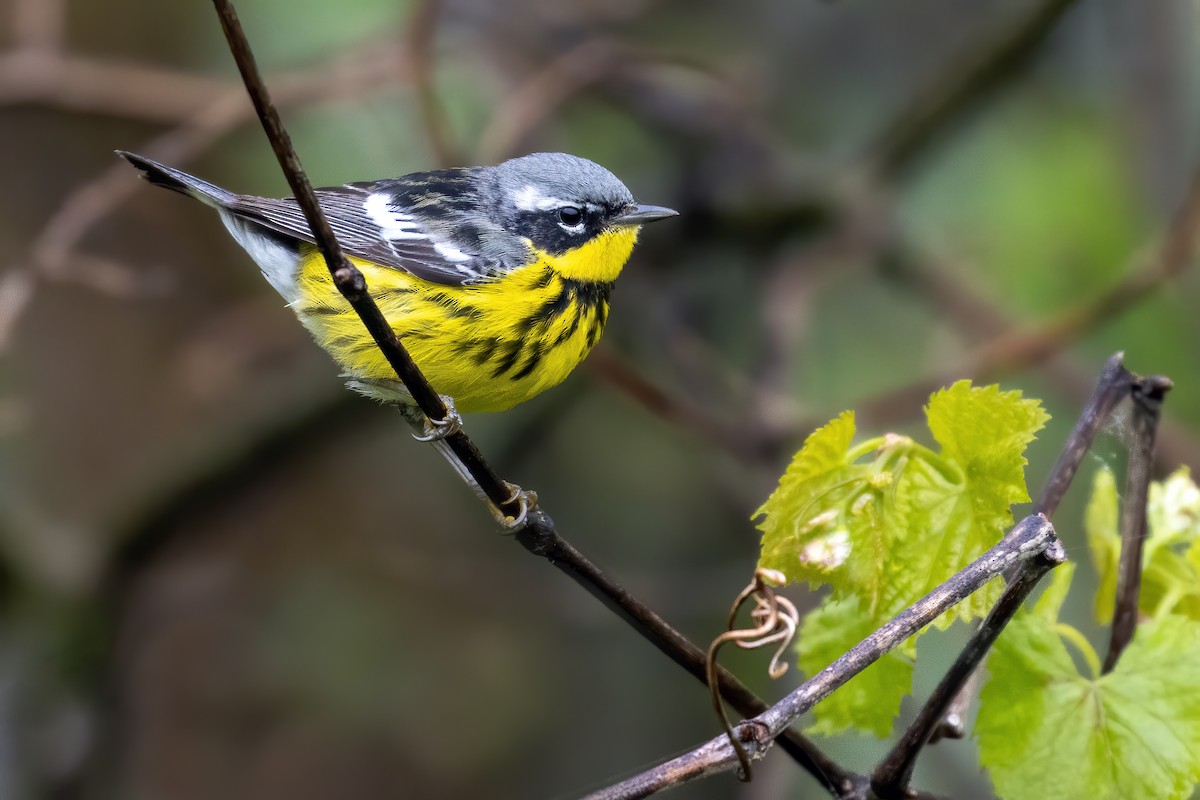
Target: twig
[539,535]
[1030,538]
[1113,387]
[891,778]
[1147,395]
[540,538]
[953,724]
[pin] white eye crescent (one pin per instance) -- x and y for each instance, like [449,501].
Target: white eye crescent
[570,218]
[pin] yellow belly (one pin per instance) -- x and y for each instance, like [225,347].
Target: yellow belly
[489,346]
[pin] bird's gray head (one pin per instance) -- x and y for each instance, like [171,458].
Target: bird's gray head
[559,201]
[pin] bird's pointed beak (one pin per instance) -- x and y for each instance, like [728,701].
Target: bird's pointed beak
[636,214]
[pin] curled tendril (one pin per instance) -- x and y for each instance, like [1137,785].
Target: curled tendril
[775,619]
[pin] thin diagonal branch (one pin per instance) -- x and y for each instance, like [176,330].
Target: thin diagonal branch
[540,538]
[1012,346]
[1146,274]
[1031,538]
[1114,385]
[348,280]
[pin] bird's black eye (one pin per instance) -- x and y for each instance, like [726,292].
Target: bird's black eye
[570,216]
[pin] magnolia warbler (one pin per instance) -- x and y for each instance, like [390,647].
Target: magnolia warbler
[496,279]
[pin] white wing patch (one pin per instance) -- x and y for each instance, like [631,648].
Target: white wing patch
[396,225]
[450,252]
[393,225]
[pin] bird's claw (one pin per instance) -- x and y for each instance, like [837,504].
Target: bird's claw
[438,429]
[526,502]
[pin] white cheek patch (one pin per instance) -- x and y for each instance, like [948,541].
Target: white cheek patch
[530,198]
[392,225]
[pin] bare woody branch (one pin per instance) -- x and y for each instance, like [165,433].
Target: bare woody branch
[1147,395]
[890,780]
[1032,539]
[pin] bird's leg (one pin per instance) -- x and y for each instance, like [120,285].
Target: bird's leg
[436,432]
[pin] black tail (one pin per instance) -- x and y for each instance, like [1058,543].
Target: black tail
[179,181]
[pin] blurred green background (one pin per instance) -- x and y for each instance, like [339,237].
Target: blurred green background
[224,576]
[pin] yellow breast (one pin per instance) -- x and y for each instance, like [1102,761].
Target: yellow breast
[489,345]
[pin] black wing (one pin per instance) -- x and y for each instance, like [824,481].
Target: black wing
[374,222]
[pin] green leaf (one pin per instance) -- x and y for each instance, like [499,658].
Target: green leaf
[983,433]
[804,535]
[870,700]
[893,529]
[1170,560]
[1051,602]
[986,431]
[1044,730]
[884,532]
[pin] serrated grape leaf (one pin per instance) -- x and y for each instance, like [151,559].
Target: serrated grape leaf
[893,529]
[1044,730]
[871,699]
[984,432]
[804,535]
[1170,571]
[886,532]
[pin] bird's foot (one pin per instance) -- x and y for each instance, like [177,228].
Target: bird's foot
[438,429]
[526,502]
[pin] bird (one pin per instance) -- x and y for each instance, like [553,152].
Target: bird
[497,279]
